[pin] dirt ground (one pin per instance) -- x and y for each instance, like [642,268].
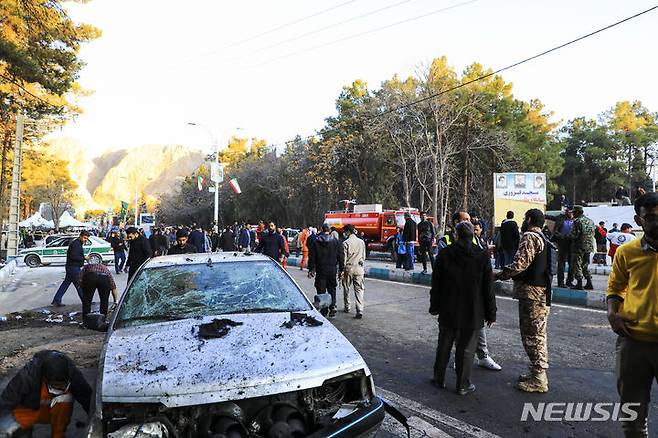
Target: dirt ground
[25,333]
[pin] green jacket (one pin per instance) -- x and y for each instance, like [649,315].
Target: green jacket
[582,235]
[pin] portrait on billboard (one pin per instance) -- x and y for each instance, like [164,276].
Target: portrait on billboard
[501,182]
[519,181]
[540,182]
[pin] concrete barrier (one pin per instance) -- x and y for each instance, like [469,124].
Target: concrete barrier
[585,298]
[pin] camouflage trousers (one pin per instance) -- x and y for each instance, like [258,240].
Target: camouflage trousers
[533,320]
[580,264]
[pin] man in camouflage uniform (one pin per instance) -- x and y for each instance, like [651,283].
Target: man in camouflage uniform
[582,238]
[533,306]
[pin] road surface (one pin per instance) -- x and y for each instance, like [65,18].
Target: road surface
[397,338]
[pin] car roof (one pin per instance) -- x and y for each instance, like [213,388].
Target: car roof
[183,259]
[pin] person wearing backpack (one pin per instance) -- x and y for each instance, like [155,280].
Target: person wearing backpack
[531,269]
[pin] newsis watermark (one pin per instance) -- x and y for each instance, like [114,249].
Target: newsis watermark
[578,411]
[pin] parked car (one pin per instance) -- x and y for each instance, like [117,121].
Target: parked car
[227,345]
[54,251]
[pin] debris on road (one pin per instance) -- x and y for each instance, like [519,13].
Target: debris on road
[301,319]
[217,328]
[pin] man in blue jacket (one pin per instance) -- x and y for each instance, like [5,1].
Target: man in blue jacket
[75,260]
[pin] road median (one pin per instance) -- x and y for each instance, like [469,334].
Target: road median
[592,299]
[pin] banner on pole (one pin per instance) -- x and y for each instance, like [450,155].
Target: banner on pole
[217,172]
[124,210]
[235,186]
[518,192]
[199,183]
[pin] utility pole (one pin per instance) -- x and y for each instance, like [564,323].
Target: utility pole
[15,200]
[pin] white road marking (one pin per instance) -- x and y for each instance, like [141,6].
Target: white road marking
[443,419]
[419,428]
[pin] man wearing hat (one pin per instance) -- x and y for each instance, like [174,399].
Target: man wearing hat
[530,272]
[582,245]
[354,250]
[43,393]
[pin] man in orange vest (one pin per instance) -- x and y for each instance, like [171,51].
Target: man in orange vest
[303,237]
[43,393]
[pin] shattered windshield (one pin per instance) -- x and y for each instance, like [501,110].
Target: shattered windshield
[196,290]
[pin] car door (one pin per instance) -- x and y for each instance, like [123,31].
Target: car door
[51,253]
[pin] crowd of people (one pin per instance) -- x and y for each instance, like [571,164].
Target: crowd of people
[461,293]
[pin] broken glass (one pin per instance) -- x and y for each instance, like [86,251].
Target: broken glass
[198,290]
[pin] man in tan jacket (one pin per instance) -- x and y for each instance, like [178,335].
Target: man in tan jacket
[354,250]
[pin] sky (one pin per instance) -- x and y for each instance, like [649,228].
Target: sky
[257,68]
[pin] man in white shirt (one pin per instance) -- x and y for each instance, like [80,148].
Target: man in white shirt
[620,238]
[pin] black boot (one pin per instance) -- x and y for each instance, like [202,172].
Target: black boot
[578,286]
[589,285]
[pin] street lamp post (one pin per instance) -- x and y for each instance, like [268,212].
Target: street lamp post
[215,146]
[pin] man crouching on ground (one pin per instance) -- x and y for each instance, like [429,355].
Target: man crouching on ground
[43,393]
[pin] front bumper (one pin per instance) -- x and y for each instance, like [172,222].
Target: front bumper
[363,422]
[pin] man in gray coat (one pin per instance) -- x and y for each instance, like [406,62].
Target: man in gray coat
[354,251]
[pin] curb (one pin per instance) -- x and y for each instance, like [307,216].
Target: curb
[593,269]
[584,298]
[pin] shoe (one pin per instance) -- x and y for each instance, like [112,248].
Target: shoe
[488,363]
[562,285]
[424,271]
[347,310]
[466,389]
[577,286]
[358,316]
[569,284]
[58,305]
[535,382]
[332,313]
[589,285]
[438,383]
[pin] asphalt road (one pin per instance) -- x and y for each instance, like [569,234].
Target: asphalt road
[397,338]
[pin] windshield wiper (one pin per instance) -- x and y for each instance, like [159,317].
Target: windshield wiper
[153,318]
[260,310]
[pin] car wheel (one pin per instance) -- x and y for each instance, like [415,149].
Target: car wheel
[33,261]
[95,259]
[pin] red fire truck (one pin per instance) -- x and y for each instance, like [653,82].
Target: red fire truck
[378,225]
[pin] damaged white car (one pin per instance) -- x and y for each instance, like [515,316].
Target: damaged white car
[227,346]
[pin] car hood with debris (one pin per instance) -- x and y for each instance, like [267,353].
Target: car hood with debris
[255,355]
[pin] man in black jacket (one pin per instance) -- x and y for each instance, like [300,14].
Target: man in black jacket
[43,393]
[197,239]
[119,248]
[139,252]
[409,237]
[271,243]
[509,237]
[182,245]
[323,258]
[227,241]
[426,238]
[75,260]
[462,297]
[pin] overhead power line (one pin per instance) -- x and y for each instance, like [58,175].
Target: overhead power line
[516,64]
[278,28]
[378,29]
[322,29]
[485,76]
